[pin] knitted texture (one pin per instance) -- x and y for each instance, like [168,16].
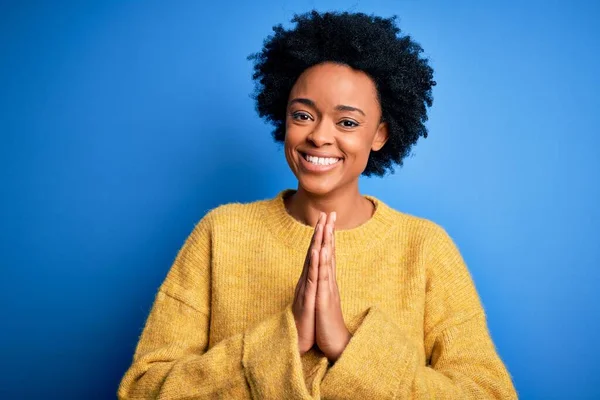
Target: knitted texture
[221,325]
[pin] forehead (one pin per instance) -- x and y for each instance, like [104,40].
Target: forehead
[330,84]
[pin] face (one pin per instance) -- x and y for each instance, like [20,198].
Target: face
[332,124]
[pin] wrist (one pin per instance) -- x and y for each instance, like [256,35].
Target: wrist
[334,356]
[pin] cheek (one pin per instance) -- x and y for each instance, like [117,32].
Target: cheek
[288,148]
[289,140]
[289,145]
[294,136]
[356,147]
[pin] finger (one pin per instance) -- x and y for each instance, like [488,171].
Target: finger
[333,263]
[299,291]
[316,233]
[330,251]
[313,242]
[319,233]
[329,255]
[326,251]
[309,291]
[327,233]
[324,271]
[313,274]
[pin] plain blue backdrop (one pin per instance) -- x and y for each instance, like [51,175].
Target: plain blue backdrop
[122,123]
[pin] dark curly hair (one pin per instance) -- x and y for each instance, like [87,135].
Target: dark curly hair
[367,43]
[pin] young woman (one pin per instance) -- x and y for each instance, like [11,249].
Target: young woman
[384,306]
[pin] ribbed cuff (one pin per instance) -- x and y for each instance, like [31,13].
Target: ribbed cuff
[271,359]
[374,361]
[314,364]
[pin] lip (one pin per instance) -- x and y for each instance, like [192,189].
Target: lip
[318,154]
[310,167]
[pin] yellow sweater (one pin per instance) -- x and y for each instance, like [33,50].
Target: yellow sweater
[221,325]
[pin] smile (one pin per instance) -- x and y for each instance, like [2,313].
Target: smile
[320,160]
[319,164]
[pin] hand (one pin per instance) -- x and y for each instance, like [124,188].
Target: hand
[332,335]
[303,306]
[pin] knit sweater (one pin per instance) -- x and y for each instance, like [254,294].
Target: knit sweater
[221,324]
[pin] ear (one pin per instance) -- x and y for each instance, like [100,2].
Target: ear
[381,136]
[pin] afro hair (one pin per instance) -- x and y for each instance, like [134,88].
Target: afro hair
[363,42]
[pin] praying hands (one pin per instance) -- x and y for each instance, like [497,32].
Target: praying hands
[317,305]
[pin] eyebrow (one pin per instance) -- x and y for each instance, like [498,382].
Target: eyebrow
[342,107]
[311,103]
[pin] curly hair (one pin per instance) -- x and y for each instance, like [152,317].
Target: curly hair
[363,42]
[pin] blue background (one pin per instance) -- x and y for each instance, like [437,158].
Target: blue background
[122,123]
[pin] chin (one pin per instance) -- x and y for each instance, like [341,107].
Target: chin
[318,187]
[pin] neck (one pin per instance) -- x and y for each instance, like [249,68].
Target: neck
[352,209]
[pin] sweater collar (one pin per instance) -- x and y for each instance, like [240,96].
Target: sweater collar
[348,241]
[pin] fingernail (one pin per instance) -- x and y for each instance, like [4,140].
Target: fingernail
[333,216]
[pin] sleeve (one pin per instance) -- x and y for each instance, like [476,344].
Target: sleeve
[171,359]
[462,363]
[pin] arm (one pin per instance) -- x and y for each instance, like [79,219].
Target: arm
[380,361]
[171,358]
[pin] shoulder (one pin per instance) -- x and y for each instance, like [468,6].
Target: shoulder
[417,228]
[439,249]
[440,254]
[232,214]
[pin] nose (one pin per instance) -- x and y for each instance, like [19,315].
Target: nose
[321,135]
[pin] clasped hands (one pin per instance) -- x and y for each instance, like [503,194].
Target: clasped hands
[317,306]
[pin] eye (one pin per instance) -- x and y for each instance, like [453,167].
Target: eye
[348,123]
[301,116]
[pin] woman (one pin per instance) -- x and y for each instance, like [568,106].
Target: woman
[384,307]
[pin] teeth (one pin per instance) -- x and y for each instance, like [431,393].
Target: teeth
[321,160]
